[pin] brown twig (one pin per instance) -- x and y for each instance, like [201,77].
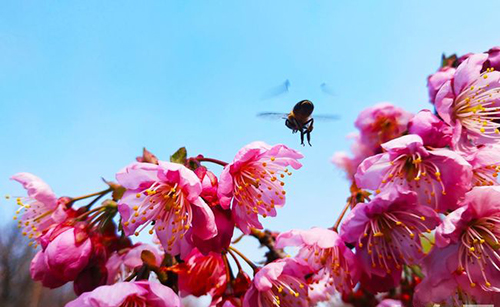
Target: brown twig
[267,239]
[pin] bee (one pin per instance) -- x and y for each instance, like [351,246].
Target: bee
[299,119]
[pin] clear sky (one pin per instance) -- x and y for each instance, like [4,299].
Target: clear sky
[84,85]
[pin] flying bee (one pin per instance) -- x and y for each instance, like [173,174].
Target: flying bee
[300,119]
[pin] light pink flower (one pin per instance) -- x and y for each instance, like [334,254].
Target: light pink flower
[433,131]
[440,176]
[253,182]
[279,283]
[390,303]
[326,253]
[125,294]
[40,209]
[381,123]
[472,232]
[123,262]
[485,162]
[470,103]
[387,232]
[167,194]
[436,80]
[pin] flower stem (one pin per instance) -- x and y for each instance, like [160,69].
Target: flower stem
[250,263]
[341,216]
[101,193]
[203,159]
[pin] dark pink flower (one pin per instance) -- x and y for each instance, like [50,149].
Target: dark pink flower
[167,194]
[67,251]
[433,131]
[470,103]
[279,283]
[472,233]
[225,228]
[123,262]
[41,209]
[253,182]
[387,232]
[381,123]
[128,294]
[327,255]
[440,176]
[41,272]
[200,275]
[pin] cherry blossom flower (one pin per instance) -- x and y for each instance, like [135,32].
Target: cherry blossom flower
[253,182]
[381,123]
[41,208]
[128,294]
[485,162]
[123,262]
[433,131]
[439,176]
[326,253]
[200,275]
[390,303]
[471,234]
[279,283]
[437,79]
[386,232]
[167,194]
[469,102]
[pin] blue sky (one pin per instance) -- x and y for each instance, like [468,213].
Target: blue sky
[84,85]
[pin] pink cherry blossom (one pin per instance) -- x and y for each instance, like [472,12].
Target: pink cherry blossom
[125,294]
[253,182]
[41,272]
[439,176]
[433,131]
[67,251]
[390,303]
[381,123]
[278,283]
[470,103]
[167,194]
[387,231]
[436,80]
[200,275]
[40,209]
[225,228]
[472,232]
[485,162]
[123,262]
[326,253]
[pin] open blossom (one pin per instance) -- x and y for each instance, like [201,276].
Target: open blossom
[200,275]
[485,162]
[123,262]
[433,131]
[472,235]
[128,294]
[326,253]
[279,283]
[439,176]
[470,102]
[40,209]
[386,232]
[254,182]
[167,194]
[381,123]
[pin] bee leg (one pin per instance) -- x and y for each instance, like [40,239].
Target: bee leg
[308,137]
[302,138]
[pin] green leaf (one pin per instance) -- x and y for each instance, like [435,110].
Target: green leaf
[179,156]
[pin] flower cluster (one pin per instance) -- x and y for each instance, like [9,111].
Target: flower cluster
[421,225]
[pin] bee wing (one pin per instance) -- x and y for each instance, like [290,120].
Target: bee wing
[277,90]
[327,89]
[272,115]
[326,117]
